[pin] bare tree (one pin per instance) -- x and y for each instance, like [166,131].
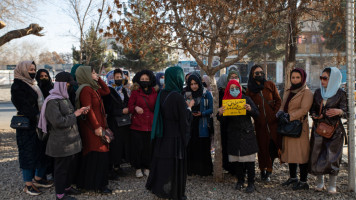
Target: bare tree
[83,14]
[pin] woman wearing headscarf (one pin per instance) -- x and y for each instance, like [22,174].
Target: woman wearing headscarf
[160,80]
[198,152]
[28,99]
[118,120]
[95,155]
[73,88]
[329,106]
[241,139]
[141,106]
[265,95]
[58,119]
[206,82]
[169,135]
[44,81]
[295,106]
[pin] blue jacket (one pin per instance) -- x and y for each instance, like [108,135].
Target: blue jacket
[206,109]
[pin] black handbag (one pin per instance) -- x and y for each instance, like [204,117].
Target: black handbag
[290,129]
[123,120]
[20,122]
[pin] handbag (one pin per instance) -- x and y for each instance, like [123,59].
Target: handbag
[292,129]
[20,122]
[123,120]
[324,129]
[107,136]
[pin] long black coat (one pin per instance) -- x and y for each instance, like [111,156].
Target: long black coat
[326,154]
[241,138]
[31,149]
[168,170]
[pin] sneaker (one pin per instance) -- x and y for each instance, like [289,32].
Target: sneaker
[290,181]
[250,188]
[31,190]
[146,172]
[42,183]
[139,173]
[301,186]
[239,186]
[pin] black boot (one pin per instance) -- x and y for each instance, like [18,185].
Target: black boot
[301,186]
[263,175]
[293,181]
[250,188]
[268,176]
[239,185]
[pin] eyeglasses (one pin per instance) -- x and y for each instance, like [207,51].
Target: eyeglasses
[260,72]
[325,78]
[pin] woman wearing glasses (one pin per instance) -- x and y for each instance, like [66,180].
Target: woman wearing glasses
[329,105]
[265,95]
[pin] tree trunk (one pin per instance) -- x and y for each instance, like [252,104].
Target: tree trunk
[33,29]
[218,171]
[265,65]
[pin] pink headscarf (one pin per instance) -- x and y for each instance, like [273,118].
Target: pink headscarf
[59,91]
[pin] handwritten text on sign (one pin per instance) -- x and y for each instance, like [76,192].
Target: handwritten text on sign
[234,107]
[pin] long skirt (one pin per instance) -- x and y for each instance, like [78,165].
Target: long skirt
[94,169]
[141,149]
[120,146]
[199,160]
[168,175]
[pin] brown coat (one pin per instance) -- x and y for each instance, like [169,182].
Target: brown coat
[266,122]
[296,150]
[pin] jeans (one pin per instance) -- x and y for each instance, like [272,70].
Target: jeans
[28,174]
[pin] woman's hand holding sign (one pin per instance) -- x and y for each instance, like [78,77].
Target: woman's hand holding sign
[247,107]
[221,110]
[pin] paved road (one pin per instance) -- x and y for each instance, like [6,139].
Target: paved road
[7,110]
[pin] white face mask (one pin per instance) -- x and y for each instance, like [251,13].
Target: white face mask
[161,81]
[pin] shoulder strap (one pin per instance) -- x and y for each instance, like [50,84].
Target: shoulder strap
[144,98]
[169,94]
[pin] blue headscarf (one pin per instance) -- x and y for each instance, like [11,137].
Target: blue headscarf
[111,83]
[333,85]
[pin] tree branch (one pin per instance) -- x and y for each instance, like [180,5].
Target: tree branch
[33,29]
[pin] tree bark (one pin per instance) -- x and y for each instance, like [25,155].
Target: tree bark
[218,170]
[33,29]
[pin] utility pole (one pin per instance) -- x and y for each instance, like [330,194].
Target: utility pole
[350,51]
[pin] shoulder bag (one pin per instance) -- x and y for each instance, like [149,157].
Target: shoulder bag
[324,129]
[124,119]
[292,129]
[20,122]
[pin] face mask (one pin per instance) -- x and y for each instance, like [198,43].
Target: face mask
[118,82]
[161,81]
[235,92]
[298,85]
[259,78]
[204,84]
[44,81]
[144,84]
[32,75]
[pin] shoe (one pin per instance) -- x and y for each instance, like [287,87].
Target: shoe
[120,172]
[263,175]
[146,172]
[42,183]
[332,184]
[250,188]
[301,186]
[139,173]
[320,183]
[105,190]
[290,181]
[66,197]
[72,191]
[268,176]
[113,176]
[32,190]
[239,186]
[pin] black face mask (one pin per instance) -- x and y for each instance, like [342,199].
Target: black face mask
[144,84]
[118,82]
[32,75]
[204,84]
[259,78]
[44,81]
[295,86]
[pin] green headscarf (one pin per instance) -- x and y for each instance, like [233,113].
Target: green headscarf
[233,72]
[83,75]
[173,80]
[72,72]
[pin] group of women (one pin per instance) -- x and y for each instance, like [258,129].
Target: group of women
[165,131]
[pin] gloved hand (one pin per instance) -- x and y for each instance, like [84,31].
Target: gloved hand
[284,118]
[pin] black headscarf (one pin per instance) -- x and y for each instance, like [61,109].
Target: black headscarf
[45,86]
[152,82]
[252,84]
[197,79]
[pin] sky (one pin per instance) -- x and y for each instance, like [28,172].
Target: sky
[59,28]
